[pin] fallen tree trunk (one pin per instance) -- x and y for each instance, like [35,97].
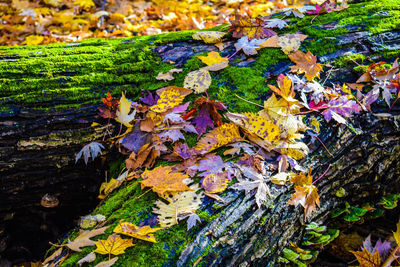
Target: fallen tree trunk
[50,95]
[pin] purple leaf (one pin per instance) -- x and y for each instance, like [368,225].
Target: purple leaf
[90,150]
[342,106]
[136,139]
[149,100]
[173,134]
[192,220]
[202,120]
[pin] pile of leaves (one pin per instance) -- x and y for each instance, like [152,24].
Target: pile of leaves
[248,152]
[49,21]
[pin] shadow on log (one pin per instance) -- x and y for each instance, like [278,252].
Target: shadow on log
[49,97]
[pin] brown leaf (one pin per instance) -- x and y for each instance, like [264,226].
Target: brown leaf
[147,125]
[53,256]
[307,196]
[107,263]
[168,75]
[305,63]
[366,259]
[83,240]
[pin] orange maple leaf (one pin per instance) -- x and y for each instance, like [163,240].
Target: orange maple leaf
[163,181]
[305,63]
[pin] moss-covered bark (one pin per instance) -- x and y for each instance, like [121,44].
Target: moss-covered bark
[49,97]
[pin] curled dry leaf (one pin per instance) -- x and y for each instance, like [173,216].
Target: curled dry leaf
[168,75]
[88,258]
[52,256]
[107,263]
[83,240]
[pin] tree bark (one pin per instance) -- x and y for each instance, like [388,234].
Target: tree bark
[50,95]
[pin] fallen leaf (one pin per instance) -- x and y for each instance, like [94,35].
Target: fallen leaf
[168,75]
[248,47]
[143,232]
[250,28]
[107,263]
[297,11]
[289,43]
[305,63]
[90,150]
[88,258]
[113,245]
[179,205]
[215,182]
[209,37]
[85,4]
[279,23]
[169,97]
[366,259]
[123,111]
[212,58]
[164,181]
[198,80]
[52,256]
[83,240]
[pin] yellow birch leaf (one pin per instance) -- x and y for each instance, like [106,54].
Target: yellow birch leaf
[143,232]
[198,80]
[170,97]
[113,245]
[222,135]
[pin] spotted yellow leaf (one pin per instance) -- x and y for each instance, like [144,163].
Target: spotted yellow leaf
[209,37]
[170,97]
[198,80]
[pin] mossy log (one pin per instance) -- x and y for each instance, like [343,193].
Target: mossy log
[49,97]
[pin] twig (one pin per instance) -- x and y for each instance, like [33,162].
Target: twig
[144,193]
[248,101]
[234,53]
[327,150]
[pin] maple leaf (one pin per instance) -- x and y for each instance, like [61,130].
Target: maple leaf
[170,97]
[113,245]
[179,206]
[198,80]
[140,232]
[383,248]
[123,111]
[253,29]
[248,47]
[209,37]
[367,259]
[212,58]
[192,220]
[279,23]
[255,181]
[163,181]
[136,139]
[339,107]
[289,43]
[90,150]
[222,135]
[306,194]
[285,89]
[149,99]
[168,75]
[207,113]
[83,240]
[85,4]
[305,63]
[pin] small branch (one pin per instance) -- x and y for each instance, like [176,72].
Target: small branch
[144,193]
[248,101]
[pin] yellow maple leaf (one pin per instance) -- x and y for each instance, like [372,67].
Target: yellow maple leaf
[113,245]
[34,39]
[222,135]
[164,181]
[305,63]
[124,108]
[178,206]
[170,97]
[198,80]
[212,58]
[85,4]
[142,232]
[209,37]
[285,90]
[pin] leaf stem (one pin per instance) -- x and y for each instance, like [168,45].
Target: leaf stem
[234,53]
[144,193]
[248,101]
[322,143]
[322,175]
